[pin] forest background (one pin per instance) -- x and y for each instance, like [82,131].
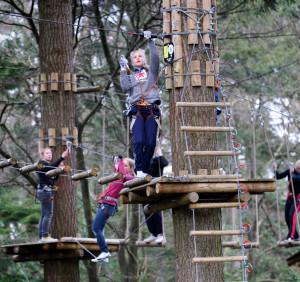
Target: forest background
[259,52]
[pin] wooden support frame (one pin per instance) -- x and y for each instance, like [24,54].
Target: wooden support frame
[43,82]
[196,68]
[192,22]
[210,74]
[74,83]
[67,81]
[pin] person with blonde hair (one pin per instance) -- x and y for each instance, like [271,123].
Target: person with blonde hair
[45,191]
[108,203]
[292,205]
[140,84]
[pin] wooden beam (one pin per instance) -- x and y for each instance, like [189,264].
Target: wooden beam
[219,177]
[110,178]
[219,259]
[203,104]
[72,254]
[172,203]
[91,89]
[215,232]
[151,244]
[84,174]
[206,128]
[288,244]
[58,171]
[8,162]
[214,205]
[32,167]
[150,191]
[134,197]
[254,187]
[138,181]
[209,153]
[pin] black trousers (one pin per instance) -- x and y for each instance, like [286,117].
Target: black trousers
[291,217]
[154,223]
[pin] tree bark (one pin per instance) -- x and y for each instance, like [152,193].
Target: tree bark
[187,248]
[56,56]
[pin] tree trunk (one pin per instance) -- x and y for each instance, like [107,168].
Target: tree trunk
[56,56]
[188,59]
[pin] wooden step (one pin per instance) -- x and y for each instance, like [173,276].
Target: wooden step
[151,244]
[237,244]
[214,205]
[215,232]
[203,104]
[206,128]
[209,153]
[219,259]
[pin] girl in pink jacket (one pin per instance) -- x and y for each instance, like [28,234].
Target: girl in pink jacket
[108,202]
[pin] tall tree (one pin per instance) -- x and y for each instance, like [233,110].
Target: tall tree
[56,56]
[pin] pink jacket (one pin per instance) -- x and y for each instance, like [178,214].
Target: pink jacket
[111,194]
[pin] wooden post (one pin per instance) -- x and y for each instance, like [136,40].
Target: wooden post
[32,167]
[84,174]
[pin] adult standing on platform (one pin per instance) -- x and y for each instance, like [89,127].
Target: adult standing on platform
[143,96]
[292,205]
[45,192]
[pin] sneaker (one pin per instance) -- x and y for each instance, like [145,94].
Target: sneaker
[139,173]
[47,239]
[102,257]
[150,239]
[160,239]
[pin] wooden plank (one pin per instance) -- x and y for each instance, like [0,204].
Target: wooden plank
[215,232]
[51,137]
[202,171]
[54,81]
[219,259]
[206,128]
[210,74]
[192,22]
[206,5]
[183,172]
[43,82]
[203,104]
[176,21]
[217,178]
[166,22]
[74,83]
[64,133]
[169,80]
[214,205]
[67,81]
[181,187]
[134,197]
[196,78]
[209,153]
[166,4]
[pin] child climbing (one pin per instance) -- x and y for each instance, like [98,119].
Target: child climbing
[154,220]
[45,192]
[108,202]
[144,100]
[293,197]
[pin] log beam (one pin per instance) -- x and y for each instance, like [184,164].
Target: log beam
[172,203]
[219,259]
[215,232]
[138,181]
[110,178]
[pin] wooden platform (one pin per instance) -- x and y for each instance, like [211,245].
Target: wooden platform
[66,247]
[210,189]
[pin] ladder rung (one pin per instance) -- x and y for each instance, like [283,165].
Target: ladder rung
[209,153]
[214,176]
[206,128]
[203,104]
[214,205]
[219,259]
[215,232]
